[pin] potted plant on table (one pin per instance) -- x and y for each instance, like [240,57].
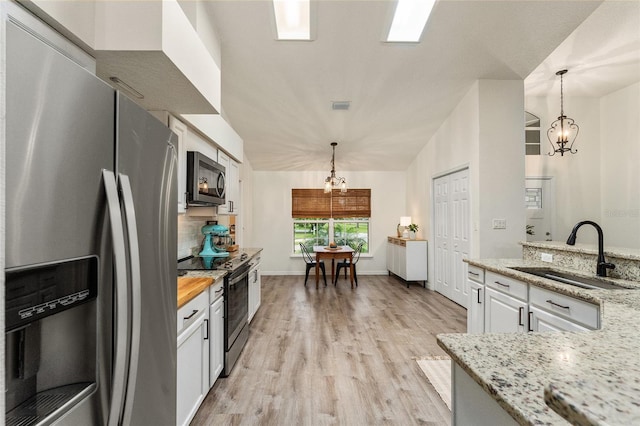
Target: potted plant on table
[413,228]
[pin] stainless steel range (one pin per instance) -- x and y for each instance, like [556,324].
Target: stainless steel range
[236,303]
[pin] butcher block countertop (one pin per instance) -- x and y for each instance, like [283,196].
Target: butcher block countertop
[190,286]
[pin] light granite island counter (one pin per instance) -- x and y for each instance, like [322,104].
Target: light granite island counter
[585,378]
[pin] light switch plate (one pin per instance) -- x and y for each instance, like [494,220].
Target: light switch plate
[499,223]
[546,257]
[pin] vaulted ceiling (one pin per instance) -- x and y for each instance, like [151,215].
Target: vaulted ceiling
[278,94]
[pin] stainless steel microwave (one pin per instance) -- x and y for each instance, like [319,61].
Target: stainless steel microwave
[205,180]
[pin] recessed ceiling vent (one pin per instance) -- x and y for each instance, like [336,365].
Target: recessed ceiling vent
[340,105]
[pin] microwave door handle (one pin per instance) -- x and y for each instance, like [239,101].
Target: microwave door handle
[120,283]
[221,184]
[136,292]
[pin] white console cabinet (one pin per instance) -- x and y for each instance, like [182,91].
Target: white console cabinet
[407,259]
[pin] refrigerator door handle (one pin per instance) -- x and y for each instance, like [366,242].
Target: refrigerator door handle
[121,315]
[136,292]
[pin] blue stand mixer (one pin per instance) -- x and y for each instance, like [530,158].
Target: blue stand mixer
[216,238]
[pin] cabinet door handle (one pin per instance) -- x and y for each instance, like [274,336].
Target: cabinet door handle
[503,285]
[558,305]
[479,290]
[195,311]
[530,327]
[186,200]
[520,312]
[206,328]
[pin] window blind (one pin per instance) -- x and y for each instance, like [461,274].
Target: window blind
[315,203]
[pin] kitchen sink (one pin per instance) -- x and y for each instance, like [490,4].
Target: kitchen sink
[568,278]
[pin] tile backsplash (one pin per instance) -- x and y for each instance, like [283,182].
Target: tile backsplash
[189,235]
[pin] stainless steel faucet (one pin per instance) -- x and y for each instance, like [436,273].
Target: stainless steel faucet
[601,269]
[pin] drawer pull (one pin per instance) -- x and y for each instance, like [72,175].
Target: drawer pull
[219,290]
[475,274]
[520,312]
[195,311]
[503,285]
[559,306]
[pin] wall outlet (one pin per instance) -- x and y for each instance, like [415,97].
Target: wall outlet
[546,257]
[499,223]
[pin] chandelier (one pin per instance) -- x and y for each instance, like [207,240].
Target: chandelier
[332,181]
[564,129]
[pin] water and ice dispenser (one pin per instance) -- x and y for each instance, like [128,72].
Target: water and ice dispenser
[50,332]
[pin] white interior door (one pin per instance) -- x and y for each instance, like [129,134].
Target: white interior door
[452,230]
[441,224]
[459,184]
[540,205]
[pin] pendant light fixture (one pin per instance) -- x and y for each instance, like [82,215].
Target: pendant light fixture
[332,181]
[564,131]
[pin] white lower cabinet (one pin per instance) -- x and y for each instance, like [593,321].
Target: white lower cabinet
[504,313]
[255,292]
[545,321]
[505,308]
[193,357]
[216,338]
[511,306]
[476,302]
[551,311]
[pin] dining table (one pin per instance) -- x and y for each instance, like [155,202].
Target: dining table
[326,252]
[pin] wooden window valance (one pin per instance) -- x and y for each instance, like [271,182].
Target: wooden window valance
[315,203]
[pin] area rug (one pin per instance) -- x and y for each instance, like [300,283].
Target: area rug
[438,371]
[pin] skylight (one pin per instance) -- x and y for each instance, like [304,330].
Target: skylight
[293,19]
[409,20]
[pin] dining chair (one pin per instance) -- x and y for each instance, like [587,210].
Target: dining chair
[311,263]
[345,264]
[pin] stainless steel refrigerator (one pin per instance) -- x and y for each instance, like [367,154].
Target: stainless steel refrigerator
[91,220]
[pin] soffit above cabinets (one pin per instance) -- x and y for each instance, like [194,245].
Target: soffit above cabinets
[153,47]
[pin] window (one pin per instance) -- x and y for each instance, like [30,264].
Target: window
[319,218]
[531,134]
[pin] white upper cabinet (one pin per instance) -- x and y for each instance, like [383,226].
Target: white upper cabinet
[232,192]
[219,131]
[180,129]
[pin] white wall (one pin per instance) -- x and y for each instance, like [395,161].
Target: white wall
[501,169]
[576,176]
[247,235]
[273,225]
[620,153]
[484,133]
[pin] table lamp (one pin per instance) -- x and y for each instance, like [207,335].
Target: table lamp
[404,222]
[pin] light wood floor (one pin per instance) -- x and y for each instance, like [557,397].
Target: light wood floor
[336,356]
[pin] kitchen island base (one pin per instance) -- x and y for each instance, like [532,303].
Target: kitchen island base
[472,405]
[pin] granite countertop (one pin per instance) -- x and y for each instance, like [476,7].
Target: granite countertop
[588,378]
[192,283]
